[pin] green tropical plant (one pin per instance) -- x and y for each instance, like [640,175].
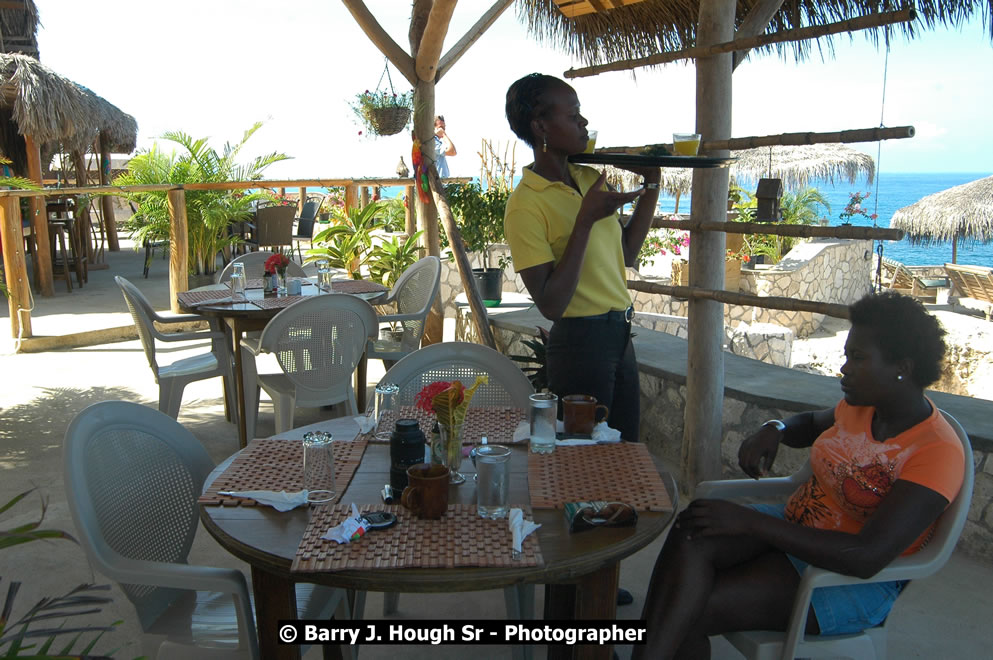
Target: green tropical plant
[394,214]
[797,208]
[389,259]
[538,374]
[209,213]
[479,214]
[23,637]
[347,244]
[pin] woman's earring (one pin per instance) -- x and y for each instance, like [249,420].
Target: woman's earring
[899,377]
[544,143]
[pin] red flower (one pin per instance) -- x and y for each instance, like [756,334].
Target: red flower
[276,263]
[427,394]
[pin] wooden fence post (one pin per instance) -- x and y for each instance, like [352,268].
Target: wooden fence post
[15,269]
[39,221]
[106,203]
[178,245]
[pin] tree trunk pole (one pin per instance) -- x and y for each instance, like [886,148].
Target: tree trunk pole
[14,268]
[409,217]
[179,269]
[302,194]
[109,219]
[701,452]
[38,217]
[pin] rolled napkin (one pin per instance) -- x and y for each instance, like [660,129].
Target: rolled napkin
[349,529]
[603,434]
[366,423]
[281,501]
[520,529]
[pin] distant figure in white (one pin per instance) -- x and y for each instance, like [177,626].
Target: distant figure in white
[443,146]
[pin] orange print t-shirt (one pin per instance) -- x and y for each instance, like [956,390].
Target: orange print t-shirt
[852,472]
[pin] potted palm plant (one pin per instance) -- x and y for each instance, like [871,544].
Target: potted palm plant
[387,262]
[480,216]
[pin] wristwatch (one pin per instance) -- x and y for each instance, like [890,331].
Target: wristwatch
[778,424]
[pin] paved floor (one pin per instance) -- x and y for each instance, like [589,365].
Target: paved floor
[946,616]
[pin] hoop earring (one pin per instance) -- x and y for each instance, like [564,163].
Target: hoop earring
[899,377]
[544,143]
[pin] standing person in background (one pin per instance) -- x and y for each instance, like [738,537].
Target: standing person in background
[443,147]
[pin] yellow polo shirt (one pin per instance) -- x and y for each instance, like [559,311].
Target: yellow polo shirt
[539,219]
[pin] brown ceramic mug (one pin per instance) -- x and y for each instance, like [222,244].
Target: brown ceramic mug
[579,413]
[427,493]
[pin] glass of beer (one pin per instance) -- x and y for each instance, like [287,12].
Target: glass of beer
[686,144]
[591,142]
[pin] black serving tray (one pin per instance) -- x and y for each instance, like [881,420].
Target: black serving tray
[620,160]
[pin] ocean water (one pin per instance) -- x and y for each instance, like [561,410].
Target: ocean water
[895,190]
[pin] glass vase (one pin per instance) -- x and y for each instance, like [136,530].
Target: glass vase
[447,450]
[282,283]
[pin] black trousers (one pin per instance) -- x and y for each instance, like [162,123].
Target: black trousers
[595,356]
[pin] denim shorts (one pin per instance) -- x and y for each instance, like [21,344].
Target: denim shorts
[844,609]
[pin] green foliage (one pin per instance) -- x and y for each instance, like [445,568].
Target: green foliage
[394,214]
[367,102]
[798,208]
[20,637]
[479,214]
[209,213]
[538,375]
[389,259]
[13,182]
[347,245]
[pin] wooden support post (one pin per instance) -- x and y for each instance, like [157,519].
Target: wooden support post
[409,217]
[179,269]
[38,217]
[107,203]
[303,199]
[14,267]
[364,195]
[350,198]
[701,457]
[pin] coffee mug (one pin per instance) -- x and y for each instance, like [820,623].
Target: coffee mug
[427,494]
[579,413]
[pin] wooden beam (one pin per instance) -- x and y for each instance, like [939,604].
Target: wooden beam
[755,23]
[383,41]
[810,32]
[107,204]
[433,38]
[179,254]
[479,317]
[38,217]
[776,229]
[12,4]
[470,37]
[785,139]
[737,298]
[15,269]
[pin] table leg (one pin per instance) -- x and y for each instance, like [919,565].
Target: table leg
[239,384]
[592,596]
[361,379]
[275,600]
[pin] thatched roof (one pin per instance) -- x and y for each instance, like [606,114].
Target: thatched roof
[658,26]
[19,29]
[51,108]
[964,211]
[796,166]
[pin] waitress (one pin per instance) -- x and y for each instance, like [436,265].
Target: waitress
[569,246]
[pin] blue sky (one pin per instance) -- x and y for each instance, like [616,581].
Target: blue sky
[212,68]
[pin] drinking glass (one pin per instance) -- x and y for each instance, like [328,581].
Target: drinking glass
[237,282]
[318,466]
[544,407]
[492,481]
[591,142]
[686,144]
[324,275]
[386,394]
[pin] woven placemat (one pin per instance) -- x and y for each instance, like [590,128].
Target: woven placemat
[461,538]
[496,423]
[192,298]
[356,286]
[277,302]
[278,465]
[256,283]
[622,472]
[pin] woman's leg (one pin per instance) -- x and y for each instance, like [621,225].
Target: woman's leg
[707,586]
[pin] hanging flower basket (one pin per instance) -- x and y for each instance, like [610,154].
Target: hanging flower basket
[388,121]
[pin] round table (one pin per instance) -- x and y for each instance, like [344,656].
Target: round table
[580,570]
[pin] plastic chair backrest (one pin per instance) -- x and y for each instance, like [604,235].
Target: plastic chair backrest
[255,266]
[143,314]
[307,217]
[274,225]
[508,386]
[415,290]
[319,341]
[132,477]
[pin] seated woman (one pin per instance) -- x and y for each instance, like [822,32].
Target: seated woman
[885,465]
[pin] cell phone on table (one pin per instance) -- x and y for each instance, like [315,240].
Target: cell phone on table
[379,519]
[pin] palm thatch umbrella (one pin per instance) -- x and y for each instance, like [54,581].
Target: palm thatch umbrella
[19,29]
[963,212]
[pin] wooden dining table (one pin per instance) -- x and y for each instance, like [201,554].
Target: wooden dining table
[579,570]
[241,317]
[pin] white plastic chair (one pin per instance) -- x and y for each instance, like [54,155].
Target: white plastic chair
[317,342]
[173,378]
[870,643]
[132,478]
[507,386]
[413,294]
[255,266]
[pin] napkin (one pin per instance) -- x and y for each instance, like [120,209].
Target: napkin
[520,529]
[366,423]
[602,435]
[281,501]
[348,530]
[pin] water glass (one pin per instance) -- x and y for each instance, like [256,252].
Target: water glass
[237,282]
[324,275]
[386,394]
[318,466]
[492,481]
[544,408]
